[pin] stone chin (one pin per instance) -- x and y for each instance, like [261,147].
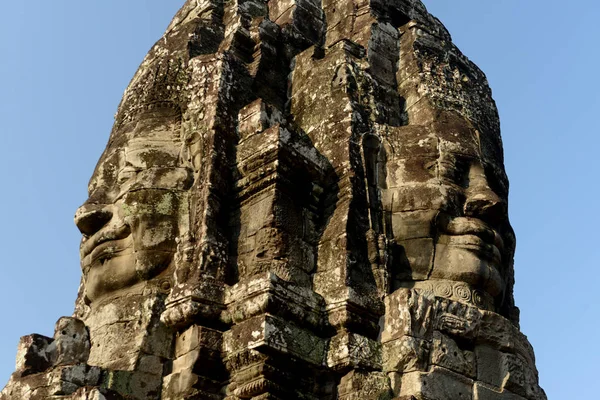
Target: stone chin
[464,250]
[470,264]
[469,250]
[123,272]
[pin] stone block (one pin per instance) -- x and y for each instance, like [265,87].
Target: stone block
[427,196]
[408,313]
[186,361]
[197,337]
[126,328]
[176,385]
[453,318]
[71,343]
[345,314]
[258,216]
[151,364]
[383,52]
[520,377]
[145,386]
[406,354]
[504,335]
[305,16]
[59,381]
[489,365]
[32,356]
[256,148]
[439,384]
[350,350]
[267,333]
[198,298]
[83,394]
[271,294]
[506,371]
[483,392]
[340,17]
[80,375]
[414,256]
[446,353]
[257,117]
[410,224]
[134,385]
[363,385]
[412,169]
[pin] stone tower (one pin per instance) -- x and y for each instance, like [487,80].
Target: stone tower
[298,200]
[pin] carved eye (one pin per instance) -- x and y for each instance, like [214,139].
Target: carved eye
[126,174]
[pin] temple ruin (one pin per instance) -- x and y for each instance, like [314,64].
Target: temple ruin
[298,200]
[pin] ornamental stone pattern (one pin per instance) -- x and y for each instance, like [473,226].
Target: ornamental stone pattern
[298,200]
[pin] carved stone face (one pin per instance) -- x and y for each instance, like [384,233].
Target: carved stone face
[445,199]
[132,217]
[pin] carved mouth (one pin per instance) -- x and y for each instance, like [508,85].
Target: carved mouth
[105,242]
[107,250]
[475,235]
[478,246]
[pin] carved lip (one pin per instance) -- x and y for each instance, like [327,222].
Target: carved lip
[474,234]
[107,238]
[477,245]
[107,250]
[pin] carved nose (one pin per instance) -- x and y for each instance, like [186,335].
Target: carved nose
[91,218]
[487,206]
[482,202]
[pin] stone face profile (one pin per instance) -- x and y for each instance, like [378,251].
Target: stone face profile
[131,221]
[298,200]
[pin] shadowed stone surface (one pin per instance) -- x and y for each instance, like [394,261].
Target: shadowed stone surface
[299,200]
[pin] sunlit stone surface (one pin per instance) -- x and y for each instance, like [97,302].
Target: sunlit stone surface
[298,200]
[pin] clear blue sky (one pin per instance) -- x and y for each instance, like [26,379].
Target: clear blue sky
[65,64]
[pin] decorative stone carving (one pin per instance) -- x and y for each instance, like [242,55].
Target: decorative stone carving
[71,343]
[298,200]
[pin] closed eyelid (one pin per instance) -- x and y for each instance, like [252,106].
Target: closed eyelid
[128,171]
[129,167]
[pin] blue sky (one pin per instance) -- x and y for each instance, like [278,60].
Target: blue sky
[65,64]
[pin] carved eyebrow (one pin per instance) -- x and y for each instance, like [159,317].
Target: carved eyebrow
[141,185]
[129,167]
